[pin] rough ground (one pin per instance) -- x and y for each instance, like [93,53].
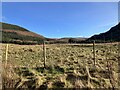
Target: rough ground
[67,66]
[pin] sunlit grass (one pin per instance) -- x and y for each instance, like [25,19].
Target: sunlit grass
[65,66]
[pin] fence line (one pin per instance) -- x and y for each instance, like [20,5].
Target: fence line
[6,56]
[94,56]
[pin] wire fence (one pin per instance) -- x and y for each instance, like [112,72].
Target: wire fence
[67,58]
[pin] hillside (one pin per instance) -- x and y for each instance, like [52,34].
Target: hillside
[66,40]
[112,35]
[19,35]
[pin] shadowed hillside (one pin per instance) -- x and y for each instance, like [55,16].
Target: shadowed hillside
[112,35]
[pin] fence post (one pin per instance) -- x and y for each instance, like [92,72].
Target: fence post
[6,55]
[1,68]
[118,64]
[44,54]
[94,53]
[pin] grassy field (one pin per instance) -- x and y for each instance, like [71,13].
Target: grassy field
[67,66]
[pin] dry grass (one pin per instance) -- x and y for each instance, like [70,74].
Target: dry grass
[67,66]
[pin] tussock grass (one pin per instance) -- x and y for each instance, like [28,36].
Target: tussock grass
[67,66]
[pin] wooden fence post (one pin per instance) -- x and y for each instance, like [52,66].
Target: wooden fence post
[6,55]
[44,54]
[94,53]
[118,64]
[1,68]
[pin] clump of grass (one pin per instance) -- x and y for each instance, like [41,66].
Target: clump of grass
[9,80]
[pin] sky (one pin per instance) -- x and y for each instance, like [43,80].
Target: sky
[62,19]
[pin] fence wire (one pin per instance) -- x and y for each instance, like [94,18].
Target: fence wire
[66,59]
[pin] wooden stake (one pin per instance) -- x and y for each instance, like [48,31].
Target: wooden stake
[44,53]
[6,56]
[94,52]
[119,52]
[118,64]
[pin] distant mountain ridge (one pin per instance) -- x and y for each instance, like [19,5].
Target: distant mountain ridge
[12,27]
[67,40]
[113,35]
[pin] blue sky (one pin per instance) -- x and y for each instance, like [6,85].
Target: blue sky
[62,19]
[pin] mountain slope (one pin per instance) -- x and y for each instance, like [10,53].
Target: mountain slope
[66,40]
[16,34]
[112,35]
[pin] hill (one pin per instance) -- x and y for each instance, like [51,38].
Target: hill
[113,35]
[19,35]
[67,40]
